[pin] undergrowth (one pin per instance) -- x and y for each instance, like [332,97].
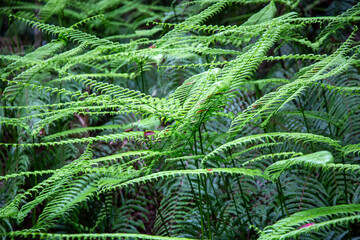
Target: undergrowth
[179,119]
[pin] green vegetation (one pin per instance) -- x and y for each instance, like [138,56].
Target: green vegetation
[134,119]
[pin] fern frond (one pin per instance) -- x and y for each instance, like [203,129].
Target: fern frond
[105,138]
[290,226]
[314,159]
[66,33]
[108,184]
[81,130]
[273,137]
[353,148]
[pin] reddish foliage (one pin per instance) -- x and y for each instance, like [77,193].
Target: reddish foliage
[148,133]
[307,225]
[200,111]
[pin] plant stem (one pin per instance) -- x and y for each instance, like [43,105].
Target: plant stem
[346,191]
[280,200]
[60,87]
[198,202]
[232,194]
[304,117]
[283,197]
[173,7]
[330,131]
[35,168]
[208,203]
[326,107]
[142,78]
[343,160]
[242,195]
[200,182]
[346,196]
[158,209]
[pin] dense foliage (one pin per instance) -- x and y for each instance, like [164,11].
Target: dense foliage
[211,119]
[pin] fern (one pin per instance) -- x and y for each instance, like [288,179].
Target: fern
[179,120]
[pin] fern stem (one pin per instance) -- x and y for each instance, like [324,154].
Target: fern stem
[231,191]
[232,194]
[205,177]
[283,197]
[60,87]
[137,78]
[326,106]
[242,195]
[201,212]
[201,182]
[33,218]
[158,209]
[258,92]
[207,211]
[197,202]
[5,109]
[345,181]
[279,189]
[201,144]
[59,18]
[173,7]
[280,200]
[330,131]
[303,114]
[343,160]
[208,202]
[142,78]
[305,121]
[346,195]
[211,181]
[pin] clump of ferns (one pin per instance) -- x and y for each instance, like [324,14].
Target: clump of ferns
[201,155]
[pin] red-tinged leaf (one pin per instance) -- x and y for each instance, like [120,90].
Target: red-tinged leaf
[152,46]
[128,130]
[253,107]
[307,225]
[148,133]
[42,132]
[200,111]
[190,83]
